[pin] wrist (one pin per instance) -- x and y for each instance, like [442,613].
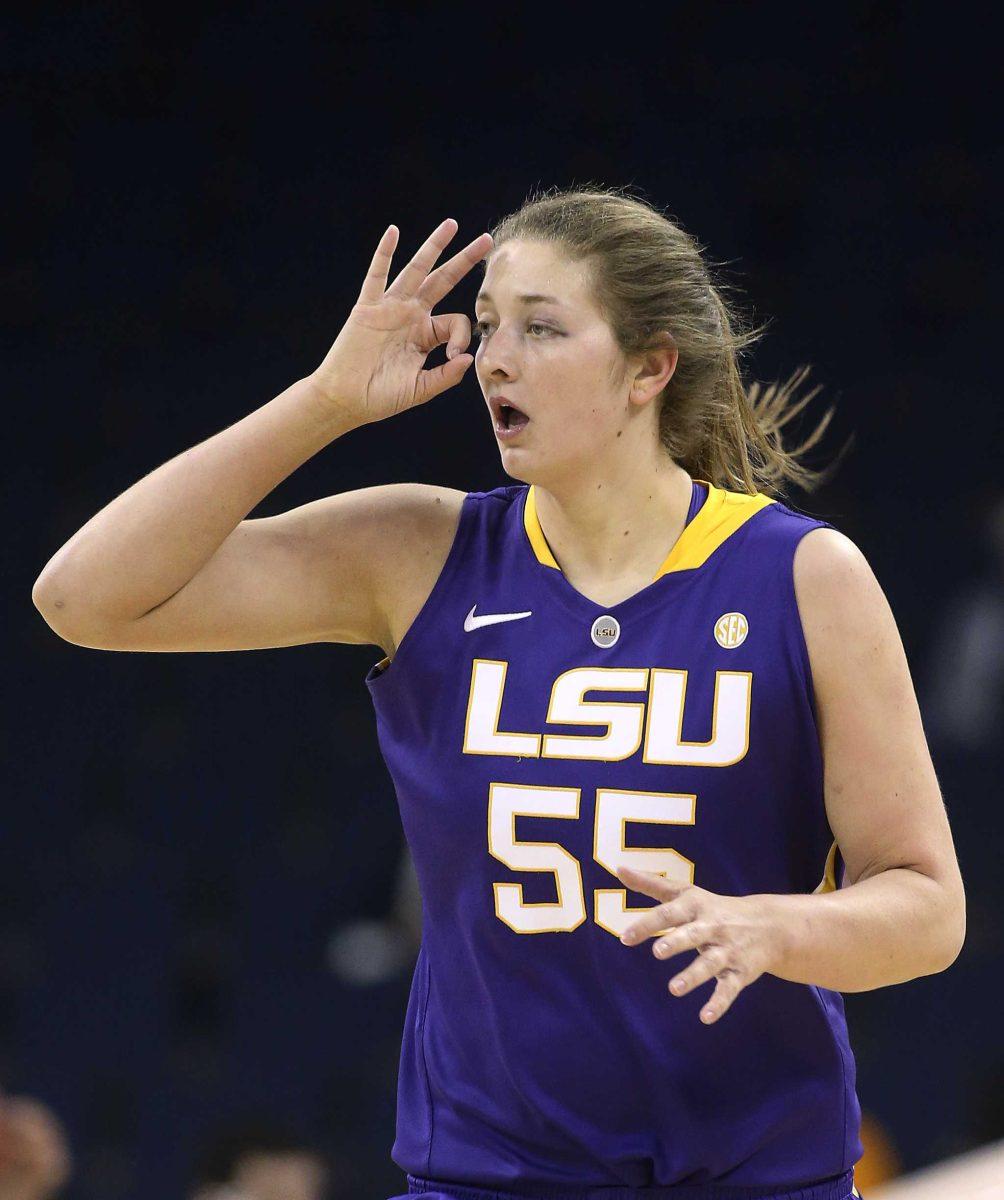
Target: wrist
[786,920]
[327,404]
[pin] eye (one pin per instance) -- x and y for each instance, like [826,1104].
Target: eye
[480,328]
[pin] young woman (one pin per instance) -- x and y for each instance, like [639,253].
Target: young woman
[633,676]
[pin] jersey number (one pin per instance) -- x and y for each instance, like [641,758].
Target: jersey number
[614,808]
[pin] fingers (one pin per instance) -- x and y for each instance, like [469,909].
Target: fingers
[455,330]
[651,884]
[711,961]
[730,984]
[661,918]
[416,279]
[685,937]
[452,328]
[376,277]
[432,382]
[375,283]
[460,337]
[688,922]
[413,275]
[446,277]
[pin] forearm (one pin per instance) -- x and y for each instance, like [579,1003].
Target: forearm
[152,539]
[889,928]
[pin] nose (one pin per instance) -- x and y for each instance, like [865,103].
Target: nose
[498,354]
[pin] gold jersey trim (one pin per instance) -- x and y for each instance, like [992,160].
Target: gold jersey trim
[722,513]
[829,881]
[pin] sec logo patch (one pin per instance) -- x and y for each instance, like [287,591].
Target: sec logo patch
[731,630]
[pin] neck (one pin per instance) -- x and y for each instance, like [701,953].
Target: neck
[616,525]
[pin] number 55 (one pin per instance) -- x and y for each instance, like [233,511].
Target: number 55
[507,801]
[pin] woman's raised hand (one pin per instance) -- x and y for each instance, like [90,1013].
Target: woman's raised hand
[375,368]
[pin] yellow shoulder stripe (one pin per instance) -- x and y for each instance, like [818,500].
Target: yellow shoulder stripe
[721,515]
[535,533]
[829,881]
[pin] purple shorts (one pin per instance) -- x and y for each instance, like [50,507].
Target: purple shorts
[840,1187]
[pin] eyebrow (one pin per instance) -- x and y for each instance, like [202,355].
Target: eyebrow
[533,298]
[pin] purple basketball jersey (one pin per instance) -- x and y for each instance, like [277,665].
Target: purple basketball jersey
[536,740]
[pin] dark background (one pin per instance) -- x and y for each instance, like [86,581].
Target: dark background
[193,201]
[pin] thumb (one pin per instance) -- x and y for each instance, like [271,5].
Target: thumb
[435,380]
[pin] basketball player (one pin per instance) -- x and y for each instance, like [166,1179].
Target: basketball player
[653,733]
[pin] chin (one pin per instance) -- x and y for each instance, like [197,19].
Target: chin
[515,473]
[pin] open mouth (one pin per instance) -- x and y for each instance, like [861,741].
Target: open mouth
[510,417]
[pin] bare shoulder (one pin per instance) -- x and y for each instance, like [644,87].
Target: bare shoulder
[426,517]
[830,569]
[836,589]
[824,557]
[849,627]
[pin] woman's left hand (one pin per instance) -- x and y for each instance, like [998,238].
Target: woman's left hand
[738,939]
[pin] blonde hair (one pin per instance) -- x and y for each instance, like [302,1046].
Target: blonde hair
[649,278]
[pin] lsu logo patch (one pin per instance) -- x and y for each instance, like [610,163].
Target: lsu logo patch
[731,630]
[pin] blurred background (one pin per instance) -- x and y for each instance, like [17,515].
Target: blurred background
[207,922]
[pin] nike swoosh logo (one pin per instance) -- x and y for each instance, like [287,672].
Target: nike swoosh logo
[473,622]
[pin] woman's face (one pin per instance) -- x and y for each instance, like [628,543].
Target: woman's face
[552,358]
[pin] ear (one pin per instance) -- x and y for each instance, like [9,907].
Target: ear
[651,371]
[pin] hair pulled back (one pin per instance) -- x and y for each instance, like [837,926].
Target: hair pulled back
[649,278]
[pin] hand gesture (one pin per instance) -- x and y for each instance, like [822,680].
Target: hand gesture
[734,937]
[374,369]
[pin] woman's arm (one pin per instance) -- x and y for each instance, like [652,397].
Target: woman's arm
[902,913]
